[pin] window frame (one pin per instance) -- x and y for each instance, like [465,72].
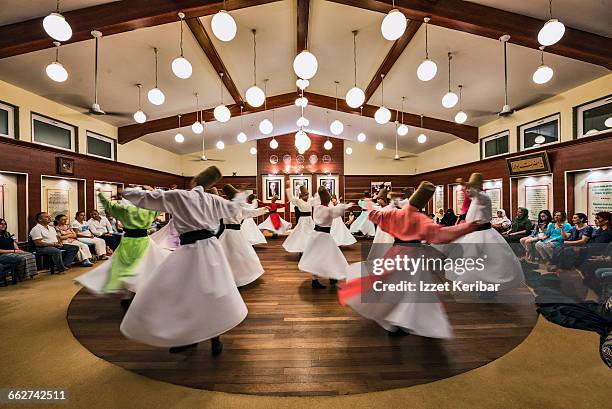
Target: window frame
[95,135]
[520,131]
[578,112]
[494,136]
[54,122]
[12,120]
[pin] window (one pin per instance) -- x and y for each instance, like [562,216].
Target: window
[100,146]
[494,145]
[49,132]
[593,118]
[539,133]
[7,120]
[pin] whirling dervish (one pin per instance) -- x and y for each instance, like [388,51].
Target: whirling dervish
[274,223]
[382,240]
[241,256]
[249,227]
[341,234]
[299,237]
[362,223]
[191,296]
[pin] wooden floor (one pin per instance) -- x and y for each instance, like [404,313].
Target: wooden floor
[297,341]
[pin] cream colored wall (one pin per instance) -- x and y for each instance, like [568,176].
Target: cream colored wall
[61,184]
[236,158]
[366,160]
[459,152]
[135,153]
[9,204]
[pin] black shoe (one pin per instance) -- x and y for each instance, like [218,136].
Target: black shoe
[397,333]
[125,303]
[182,348]
[216,346]
[332,282]
[316,284]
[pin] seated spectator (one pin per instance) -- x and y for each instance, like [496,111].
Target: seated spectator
[574,244]
[554,235]
[439,216]
[101,227]
[47,243]
[84,235]
[23,263]
[521,226]
[501,223]
[598,250]
[538,233]
[68,236]
[449,218]
[115,224]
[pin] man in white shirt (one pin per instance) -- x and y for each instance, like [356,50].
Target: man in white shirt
[101,227]
[47,243]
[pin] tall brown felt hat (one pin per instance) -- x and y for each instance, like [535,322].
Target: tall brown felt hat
[383,194]
[324,194]
[213,190]
[476,180]
[274,198]
[208,177]
[303,190]
[367,194]
[422,195]
[230,191]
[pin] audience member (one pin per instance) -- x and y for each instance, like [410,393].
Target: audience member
[439,216]
[101,227]
[68,236]
[501,223]
[521,226]
[573,249]
[23,263]
[538,233]
[84,235]
[47,243]
[115,224]
[449,218]
[554,235]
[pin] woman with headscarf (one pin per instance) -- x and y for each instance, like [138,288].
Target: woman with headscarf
[521,226]
[449,219]
[501,223]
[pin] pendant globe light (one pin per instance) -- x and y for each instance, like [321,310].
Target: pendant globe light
[393,25]
[181,67]
[552,31]
[302,141]
[273,143]
[223,25]
[155,95]
[266,126]
[302,84]
[428,69]
[220,145]
[197,127]
[355,97]
[328,144]
[361,136]
[140,116]
[382,114]
[379,146]
[544,73]
[461,116]
[56,25]
[305,65]
[241,137]
[301,101]
[402,129]
[253,151]
[349,150]
[302,122]
[336,127]
[255,96]
[179,138]
[221,112]
[422,138]
[449,99]
[55,70]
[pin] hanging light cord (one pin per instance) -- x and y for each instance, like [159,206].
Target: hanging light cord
[265,93]
[542,55]
[337,95]
[450,57]
[426,47]
[421,122]
[179,118]
[197,107]
[549,7]
[221,74]
[181,37]
[241,108]
[382,89]
[460,102]
[355,55]
[57,45]
[57,7]
[155,50]
[139,97]
[403,99]
[505,74]
[254,58]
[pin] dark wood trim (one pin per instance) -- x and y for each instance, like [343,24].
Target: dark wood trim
[110,18]
[303,11]
[392,56]
[199,32]
[490,22]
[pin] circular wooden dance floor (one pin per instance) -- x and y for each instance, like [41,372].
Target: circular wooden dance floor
[298,341]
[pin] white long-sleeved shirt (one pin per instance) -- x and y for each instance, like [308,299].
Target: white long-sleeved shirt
[191,209]
[101,227]
[302,205]
[244,213]
[324,215]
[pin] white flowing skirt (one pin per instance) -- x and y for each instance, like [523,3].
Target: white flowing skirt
[167,237]
[382,242]
[364,225]
[299,237]
[323,258]
[241,256]
[501,266]
[251,232]
[189,298]
[418,313]
[95,279]
[341,234]
[267,225]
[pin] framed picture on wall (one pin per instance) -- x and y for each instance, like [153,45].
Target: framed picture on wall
[65,166]
[58,202]
[376,187]
[298,181]
[330,182]
[273,185]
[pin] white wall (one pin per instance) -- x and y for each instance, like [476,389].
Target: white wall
[234,158]
[8,202]
[366,160]
[61,184]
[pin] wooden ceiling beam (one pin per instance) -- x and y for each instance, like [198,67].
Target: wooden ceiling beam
[393,55]
[131,132]
[110,18]
[303,11]
[206,44]
[490,22]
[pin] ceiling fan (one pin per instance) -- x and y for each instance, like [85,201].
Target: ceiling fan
[95,108]
[397,156]
[203,157]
